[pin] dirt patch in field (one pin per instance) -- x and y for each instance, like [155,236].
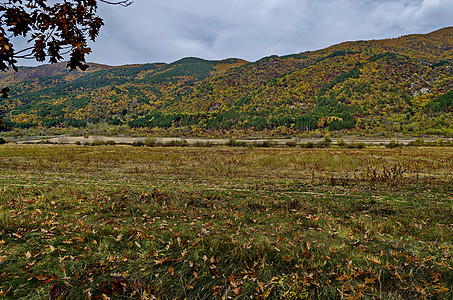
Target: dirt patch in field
[129,140]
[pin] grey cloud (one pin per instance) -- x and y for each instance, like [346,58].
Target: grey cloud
[154,31]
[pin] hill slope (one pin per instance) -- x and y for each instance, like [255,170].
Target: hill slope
[394,85]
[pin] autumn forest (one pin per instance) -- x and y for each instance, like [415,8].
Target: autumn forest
[402,85]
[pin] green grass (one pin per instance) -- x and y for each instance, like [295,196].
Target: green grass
[206,223]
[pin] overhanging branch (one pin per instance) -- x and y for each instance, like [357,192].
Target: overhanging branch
[124,3]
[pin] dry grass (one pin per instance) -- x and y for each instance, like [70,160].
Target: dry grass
[124,222]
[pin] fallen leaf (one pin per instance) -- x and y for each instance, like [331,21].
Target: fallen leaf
[42,277]
[370,280]
[80,239]
[49,280]
[158,262]
[442,290]
[216,290]
[376,261]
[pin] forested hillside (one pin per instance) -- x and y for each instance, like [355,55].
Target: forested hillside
[396,85]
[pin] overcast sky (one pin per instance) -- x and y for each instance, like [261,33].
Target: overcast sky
[167,30]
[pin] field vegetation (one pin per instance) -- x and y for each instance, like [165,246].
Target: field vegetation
[123,222]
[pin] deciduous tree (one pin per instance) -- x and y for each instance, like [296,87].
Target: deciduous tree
[52,29]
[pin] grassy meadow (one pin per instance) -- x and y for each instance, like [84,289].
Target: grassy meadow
[122,222]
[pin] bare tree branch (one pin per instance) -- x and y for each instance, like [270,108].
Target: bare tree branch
[124,3]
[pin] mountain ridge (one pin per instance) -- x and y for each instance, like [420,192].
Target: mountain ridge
[365,86]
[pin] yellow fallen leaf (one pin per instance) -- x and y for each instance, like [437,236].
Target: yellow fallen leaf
[369,280]
[376,261]
[28,255]
[80,239]
[236,291]
[442,290]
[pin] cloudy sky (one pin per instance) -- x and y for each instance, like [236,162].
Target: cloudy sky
[165,31]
